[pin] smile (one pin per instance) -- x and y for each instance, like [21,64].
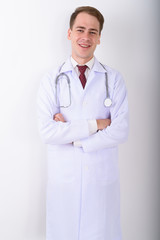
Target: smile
[84,45]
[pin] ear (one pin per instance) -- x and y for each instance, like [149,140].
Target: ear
[69,34]
[99,40]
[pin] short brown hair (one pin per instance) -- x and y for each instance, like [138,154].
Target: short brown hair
[90,10]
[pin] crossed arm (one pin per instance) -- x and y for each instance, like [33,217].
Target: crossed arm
[101,123]
[112,132]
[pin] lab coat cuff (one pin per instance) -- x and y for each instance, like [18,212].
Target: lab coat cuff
[92,125]
[77,144]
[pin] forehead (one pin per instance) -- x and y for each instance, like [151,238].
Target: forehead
[86,20]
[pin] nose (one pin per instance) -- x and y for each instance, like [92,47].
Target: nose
[85,35]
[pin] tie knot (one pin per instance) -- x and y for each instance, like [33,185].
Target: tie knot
[82,69]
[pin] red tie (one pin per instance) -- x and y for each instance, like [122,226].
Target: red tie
[82,77]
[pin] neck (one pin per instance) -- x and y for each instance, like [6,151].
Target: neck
[82,61]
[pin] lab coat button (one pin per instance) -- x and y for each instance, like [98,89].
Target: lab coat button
[84,103]
[87,168]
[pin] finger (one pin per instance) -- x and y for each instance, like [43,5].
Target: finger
[61,118]
[56,119]
[56,116]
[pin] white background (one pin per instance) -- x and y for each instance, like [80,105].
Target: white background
[33,38]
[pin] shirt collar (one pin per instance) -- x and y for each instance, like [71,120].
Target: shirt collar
[89,64]
[96,67]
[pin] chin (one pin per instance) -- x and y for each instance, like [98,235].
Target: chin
[85,56]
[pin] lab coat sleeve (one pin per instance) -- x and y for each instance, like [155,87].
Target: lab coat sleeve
[117,132]
[53,132]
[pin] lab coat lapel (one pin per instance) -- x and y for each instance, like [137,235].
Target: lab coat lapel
[68,68]
[97,67]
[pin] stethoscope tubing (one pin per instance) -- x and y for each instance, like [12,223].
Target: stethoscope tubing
[107,101]
[69,87]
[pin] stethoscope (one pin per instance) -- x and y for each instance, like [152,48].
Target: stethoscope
[107,101]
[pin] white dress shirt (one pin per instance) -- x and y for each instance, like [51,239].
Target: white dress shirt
[88,64]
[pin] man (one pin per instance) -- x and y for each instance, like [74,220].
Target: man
[82,134]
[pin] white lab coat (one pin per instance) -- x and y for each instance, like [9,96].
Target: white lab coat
[83,183]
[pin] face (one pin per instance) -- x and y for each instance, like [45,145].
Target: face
[84,37]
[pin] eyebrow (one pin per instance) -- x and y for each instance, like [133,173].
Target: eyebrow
[90,29]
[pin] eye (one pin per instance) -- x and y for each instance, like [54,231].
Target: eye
[92,33]
[79,30]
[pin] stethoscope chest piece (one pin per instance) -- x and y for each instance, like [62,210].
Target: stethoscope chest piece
[107,102]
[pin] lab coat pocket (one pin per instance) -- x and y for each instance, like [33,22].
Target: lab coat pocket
[107,166]
[61,166]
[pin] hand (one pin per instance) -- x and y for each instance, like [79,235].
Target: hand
[103,123]
[58,117]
